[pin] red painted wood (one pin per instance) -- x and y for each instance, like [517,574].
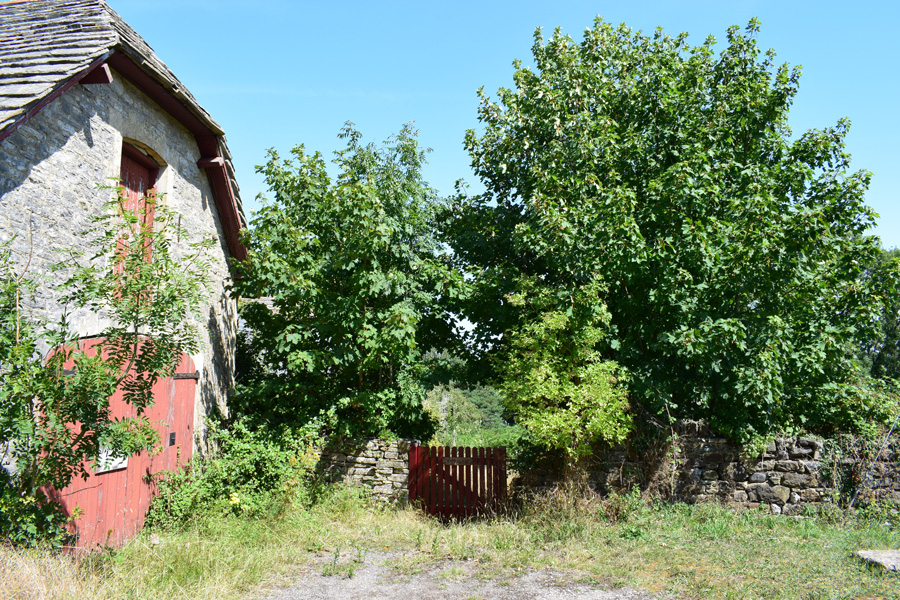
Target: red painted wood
[413,472]
[443,484]
[100,75]
[458,482]
[429,479]
[454,489]
[138,174]
[166,99]
[501,475]
[489,479]
[429,482]
[115,503]
[467,482]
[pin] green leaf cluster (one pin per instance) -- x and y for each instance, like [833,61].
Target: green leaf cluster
[555,382]
[342,286]
[733,255]
[252,472]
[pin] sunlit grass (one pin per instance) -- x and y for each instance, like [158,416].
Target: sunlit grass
[702,551]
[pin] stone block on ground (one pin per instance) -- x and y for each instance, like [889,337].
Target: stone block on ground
[889,559]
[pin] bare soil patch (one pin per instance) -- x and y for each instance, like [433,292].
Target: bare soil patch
[392,575]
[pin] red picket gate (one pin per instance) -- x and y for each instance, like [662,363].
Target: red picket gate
[457,482]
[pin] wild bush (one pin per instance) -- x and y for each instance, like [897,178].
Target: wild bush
[252,473]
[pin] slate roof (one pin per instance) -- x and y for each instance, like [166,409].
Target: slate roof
[46,45]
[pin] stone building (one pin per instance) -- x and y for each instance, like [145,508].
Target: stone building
[83,99]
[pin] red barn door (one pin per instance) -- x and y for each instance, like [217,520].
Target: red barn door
[113,501]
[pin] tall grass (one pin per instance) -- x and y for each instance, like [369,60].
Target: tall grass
[701,551]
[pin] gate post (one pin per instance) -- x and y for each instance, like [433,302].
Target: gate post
[415,462]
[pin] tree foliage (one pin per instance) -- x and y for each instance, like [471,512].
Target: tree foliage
[883,353]
[733,255]
[556,383]
[349,275]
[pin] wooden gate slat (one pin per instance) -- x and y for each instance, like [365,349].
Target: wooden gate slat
[454,489]
[425,483]
[448,489]
[467,484]
[479,478]
[441,499]
[457,490]
[433,482]
[501,475]
[413,480]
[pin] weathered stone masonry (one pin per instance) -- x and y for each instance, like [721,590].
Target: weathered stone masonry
[52,166]
[382,466]
[792,473]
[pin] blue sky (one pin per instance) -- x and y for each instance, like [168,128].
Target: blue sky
[277,73]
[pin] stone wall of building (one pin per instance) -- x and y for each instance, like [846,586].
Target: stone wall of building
[49,173]
[793,472]
[379,465]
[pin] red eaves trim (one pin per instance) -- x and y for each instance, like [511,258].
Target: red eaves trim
[133,73]
[225,202]
[101,74]
[53,96]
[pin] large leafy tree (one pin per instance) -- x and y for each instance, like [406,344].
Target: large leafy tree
[733,255]
[347,276]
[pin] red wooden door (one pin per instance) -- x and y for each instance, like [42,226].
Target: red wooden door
[138,180]
[457,481]
[114,502]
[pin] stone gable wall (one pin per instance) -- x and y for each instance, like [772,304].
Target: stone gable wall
[49,171]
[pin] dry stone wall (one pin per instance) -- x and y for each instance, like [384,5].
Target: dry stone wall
[381,466]
[793,472]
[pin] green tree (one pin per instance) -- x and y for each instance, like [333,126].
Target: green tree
[489,402]
[884,352]
[555,382]
[351,276]
[455,413]
[733,256]
[55,423]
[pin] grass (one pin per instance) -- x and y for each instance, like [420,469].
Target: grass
[702,551]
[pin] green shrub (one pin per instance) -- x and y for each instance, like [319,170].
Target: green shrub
[253,473]
[29,520]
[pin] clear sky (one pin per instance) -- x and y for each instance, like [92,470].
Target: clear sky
[277,73]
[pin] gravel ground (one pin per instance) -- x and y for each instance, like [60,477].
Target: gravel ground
[389,576]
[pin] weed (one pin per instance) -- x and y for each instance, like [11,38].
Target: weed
[343,569]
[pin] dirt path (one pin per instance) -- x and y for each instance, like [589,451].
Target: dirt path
[388,576]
